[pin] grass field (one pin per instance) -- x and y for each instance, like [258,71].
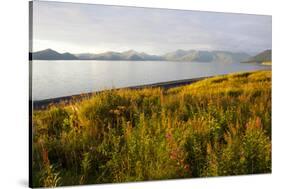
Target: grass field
[214,127]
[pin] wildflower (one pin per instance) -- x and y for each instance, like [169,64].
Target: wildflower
[168,135]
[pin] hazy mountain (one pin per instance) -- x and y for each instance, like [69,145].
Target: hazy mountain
[205,56]
[126,55]
[264,56]
[68,56]
[133,55]
[102,56]
[108,56]
[225,56]
[179,55]
[50,54]
[85,56]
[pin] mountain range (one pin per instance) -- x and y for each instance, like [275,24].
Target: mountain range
[126,55]
[178,55]
[205,56]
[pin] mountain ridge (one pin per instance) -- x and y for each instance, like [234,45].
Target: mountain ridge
[264,56]
[178,55]
[50,54]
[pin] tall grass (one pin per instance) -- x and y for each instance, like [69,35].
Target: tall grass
[217,126]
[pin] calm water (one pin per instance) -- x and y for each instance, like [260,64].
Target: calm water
[63,78]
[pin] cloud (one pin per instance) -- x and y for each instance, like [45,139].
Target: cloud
[97,28]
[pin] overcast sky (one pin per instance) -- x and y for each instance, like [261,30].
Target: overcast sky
[85,28]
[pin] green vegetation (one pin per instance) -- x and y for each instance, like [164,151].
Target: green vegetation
[217,126]
[263,58]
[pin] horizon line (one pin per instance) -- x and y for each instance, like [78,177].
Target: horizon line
[147,53]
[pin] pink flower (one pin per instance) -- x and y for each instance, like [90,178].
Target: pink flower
[168,135]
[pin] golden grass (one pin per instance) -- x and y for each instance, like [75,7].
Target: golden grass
[217,126]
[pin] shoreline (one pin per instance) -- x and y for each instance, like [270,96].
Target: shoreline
[42,104]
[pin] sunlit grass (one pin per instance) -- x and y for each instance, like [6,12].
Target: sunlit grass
[217,126]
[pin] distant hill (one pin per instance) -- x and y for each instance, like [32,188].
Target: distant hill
[205,56]
[179,55]
[133,55]
[127,55]
[50,54]
[225,56]
[262,57]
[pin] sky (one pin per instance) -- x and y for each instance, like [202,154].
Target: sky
[87,28]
